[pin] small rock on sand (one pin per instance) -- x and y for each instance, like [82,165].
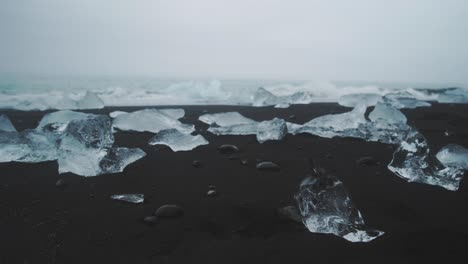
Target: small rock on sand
[169,210]
[228,149]
[151,220]
[268,165]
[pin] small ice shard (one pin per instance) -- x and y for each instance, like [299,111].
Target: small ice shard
[169,210]
[177,140]
[130,198]
[268,166]
[196,164]
[329,126]
[151,120]
[60,183]
[387,113]
[225,119]
[29,146]
[454,155]
[228,149]
[353,100]
[412,161]
[90,101]
[58,121]
[6,125]
[282,105]
[233,123]
[326,208]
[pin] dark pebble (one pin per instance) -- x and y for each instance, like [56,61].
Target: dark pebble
[244,162]
[367,161]
[211,193]
[60,183]
[169,210]
[268,165]
[151,220]
[196,164]
[228,149]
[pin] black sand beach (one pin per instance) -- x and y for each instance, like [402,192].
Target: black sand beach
[79,223]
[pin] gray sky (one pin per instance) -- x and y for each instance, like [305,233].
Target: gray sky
[384,40]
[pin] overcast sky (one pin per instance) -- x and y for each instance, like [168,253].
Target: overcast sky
[383,40]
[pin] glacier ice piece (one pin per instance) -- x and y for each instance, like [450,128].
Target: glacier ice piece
[58,121]
[454,155]
[86,148]
[332,125]
[118,158]
[353,100]
[225,119]
[413,162]
[6,125]
[29,145]
[387,113]
[151,120]
[326,208]
[177,140]
[263,97]
[233,123]
[135,198]
[404,99]
[275,129]
[90,101]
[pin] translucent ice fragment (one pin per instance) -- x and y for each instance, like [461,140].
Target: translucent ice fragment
[130,198]
[225,119]
[401,100]
[387,113]
[118,158]
[58,121]
[28,146]
[90,101]
[353,100]
[6,125]
[151,120]
[177,140]
[454,155]
[332,125]
[233,123]
[326,208]
[413,162]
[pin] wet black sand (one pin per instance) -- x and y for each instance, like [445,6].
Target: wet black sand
[40,223]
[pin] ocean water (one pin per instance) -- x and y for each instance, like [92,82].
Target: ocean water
[29,92]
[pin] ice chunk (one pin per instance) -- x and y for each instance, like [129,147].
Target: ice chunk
[263,97]
[387,113]
[118,158]
[130,198]
[412,161]
[177,140]
[28,146]
[404,100]
[275,129]
[454,155]
[353,100]
[445,95]
[174,113]
[326,208]
[332,125]
[233,123]
[151,120]
[225,119]
[90,101]
[6,125]
[86,148]
[84,144]
[58,121]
